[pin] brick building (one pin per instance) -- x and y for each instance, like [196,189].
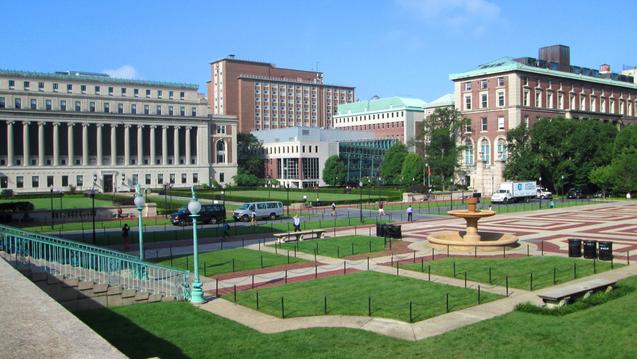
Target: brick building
[507,92]
[264,96]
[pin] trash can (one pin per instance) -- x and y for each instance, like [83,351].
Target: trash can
[574,247]
[605,250]
[590,249]
[393,231]
[380,229]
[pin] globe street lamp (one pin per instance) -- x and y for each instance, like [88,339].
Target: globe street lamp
[304,202]
[269,185]
[360,202]
[451,198]
[287,191]
[51,207]
[139,203]
[540,184]
[194,207]
[563,193]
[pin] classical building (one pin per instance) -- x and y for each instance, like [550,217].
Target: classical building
[397,118]
[296,156]
[264,96]
[502,94]
[83,130]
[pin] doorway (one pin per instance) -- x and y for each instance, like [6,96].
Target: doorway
[108,183]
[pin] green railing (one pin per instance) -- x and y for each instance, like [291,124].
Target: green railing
[72,260]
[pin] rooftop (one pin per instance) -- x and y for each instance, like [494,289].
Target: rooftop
[257,62]
[92,77]
[531,65]
[382,104]
[291,81]
[442,101]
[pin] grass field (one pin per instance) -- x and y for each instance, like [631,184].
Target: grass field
[350,294]
[179,330]
[324,195]
[68,202]
[518,269]
[230,260]
[339,246]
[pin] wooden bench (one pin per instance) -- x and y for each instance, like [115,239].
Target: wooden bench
[299,236]
[557,297]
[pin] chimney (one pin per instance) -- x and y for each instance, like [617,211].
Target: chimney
[604,69]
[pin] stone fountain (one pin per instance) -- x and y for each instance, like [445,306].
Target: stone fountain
[471,237]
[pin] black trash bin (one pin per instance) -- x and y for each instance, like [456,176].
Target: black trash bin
[574,247]
[380,229]
[393,231]
[605,250]
[590,249]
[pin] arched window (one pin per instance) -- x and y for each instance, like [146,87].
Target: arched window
[485,150]
[221,151]
[468,152]
[502,150]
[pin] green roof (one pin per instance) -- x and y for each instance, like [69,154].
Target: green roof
[442,101]
[382,104]
[94,77]
[507,64]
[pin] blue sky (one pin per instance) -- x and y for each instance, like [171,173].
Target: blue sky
[385,48]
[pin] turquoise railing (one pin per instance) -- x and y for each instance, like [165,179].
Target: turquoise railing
[72,260]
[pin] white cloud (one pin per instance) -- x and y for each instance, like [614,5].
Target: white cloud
[122,72]
[456,15]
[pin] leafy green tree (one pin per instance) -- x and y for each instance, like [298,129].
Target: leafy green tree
[334,172]
[602,177]
[626,138]
[243,178]
[250,156]
[392,164]
[412,171]
[522,161]
[624,168]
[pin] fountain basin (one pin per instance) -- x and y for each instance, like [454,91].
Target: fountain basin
[458,240]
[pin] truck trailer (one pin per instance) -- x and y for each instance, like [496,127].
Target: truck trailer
[515,192]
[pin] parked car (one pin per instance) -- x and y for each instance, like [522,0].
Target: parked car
[210,213]
[271,209]
[543,193]
[574,193]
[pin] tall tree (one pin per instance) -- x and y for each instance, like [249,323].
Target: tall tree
[522,162]
[334,172]
[250,156]
[392,164]
[412,170]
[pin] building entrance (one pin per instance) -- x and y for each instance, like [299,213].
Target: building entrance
[108,183]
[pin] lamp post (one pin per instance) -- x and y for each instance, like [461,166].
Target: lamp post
[563,193]
[360,202]
[139,203]
[166,200]
[287,192]
[51,207]
[196,294]
[92,193]
[304,203]
[379,187]
[451,197]
[540,184]
[269,185]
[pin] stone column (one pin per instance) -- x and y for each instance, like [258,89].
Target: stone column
[140,147]
[164,145]
[234,144]
[188,145]
[25,143]
[56,143]
[152,145]
[98,141]
[113,144]
[69,131]
[126,145]
[10,143]
[41,143]
[85,144]
[176,145]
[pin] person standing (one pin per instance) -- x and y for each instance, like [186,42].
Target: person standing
[333,209]
[226,229]
[410,214]
[125,231]
[253,216]
[381,210]
[297,223]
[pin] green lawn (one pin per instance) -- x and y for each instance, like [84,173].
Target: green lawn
[339,246]
[68,202]
[230,260]
[180,330]
[349,295]
[338,195]
[518,269]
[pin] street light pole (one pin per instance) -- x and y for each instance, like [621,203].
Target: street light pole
[360,202]
[451,198]
[139,203]
[166,200]
[287,192]
[52,207]
[196,294]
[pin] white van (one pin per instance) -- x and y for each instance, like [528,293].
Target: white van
[272,210]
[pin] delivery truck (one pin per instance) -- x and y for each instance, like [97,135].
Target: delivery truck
[515,192]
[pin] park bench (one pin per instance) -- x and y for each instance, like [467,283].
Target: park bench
[557,297]
[299,236]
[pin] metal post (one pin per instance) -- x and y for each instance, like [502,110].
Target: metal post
[196,294]
[52,225]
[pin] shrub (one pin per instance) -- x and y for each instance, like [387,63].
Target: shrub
[581,304]
[6,193]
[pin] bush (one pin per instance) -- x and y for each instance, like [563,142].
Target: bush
[16,207]
[6,193]
[595,299]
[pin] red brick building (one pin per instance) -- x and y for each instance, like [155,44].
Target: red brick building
[264,96]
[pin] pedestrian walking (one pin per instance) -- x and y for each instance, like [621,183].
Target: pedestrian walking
[333,209]
[410,214]
[297,223]
[253,217]
[628,196]
[226,229]
[381,210]
[125,231]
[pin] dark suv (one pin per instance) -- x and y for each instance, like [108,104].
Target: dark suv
[575,193]
[210,213]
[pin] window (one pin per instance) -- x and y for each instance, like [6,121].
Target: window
[500,98]
[467,86]
[11,84]
[549,99]
[171,178]
[107,107]
[123,91]
[171,111]
[484,150]
[467,102]
[19,181]
[160,178]
[526,81]
[593,106]
[560,100]
[65,181]
[27,85]
[221,129]
[502,150]
[222,177]
[4,182]
[136,92]
[468,152]
[484,124]
[170,94]
[500,123]
[78,106]
[221,151]
[47,105]
[18,103]
[572,102]
[526,98]
[500,81]
[147,93]
[526,121]
[467,126]
[110,91]
[538,98]
[146,110]
[83,89]
[484,100]
[602,105]
[2,102]
[484,84]
[147,179]
[160,93]
[182,94]
[79,180]
[97,90]
[193,111]
[34,104]
[120,108]
[49,181]
[135,179]
[133,109]
[62,105]
[158,110]
[35,181]
[184,178]
[41,86]
[582,103]
[182,111]
[612,105]
[69,88]
[195,178]
[55,87]
[91,106]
